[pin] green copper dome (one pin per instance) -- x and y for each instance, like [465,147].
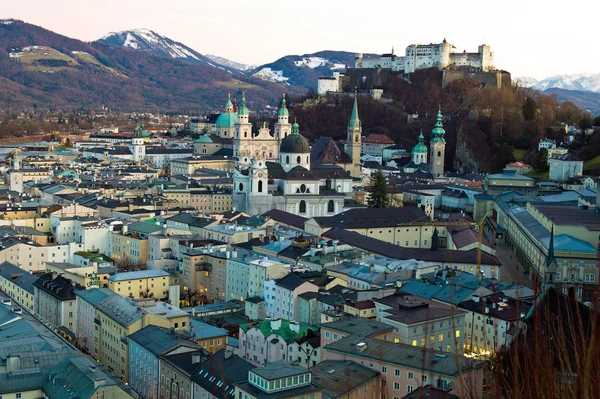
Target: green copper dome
[420,147]
[295,143]
[283,111]
[243,110]
[438,130]
[227,119]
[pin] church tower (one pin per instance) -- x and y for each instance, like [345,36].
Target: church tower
[137,147]
[437,147]
[283,126]
[419,152]
[243,131]
[353,140]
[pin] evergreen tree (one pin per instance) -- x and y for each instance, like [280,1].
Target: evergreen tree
[540,162]
[379,197]
[529,109]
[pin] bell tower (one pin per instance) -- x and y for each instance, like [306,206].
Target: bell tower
[437,148]
[283,126]
[243,131]
[353,140]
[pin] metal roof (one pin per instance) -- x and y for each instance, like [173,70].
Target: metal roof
[139,274]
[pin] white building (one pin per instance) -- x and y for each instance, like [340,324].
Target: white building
[563,167]
[291,184]
[438,55]
[283,299]
[546,144]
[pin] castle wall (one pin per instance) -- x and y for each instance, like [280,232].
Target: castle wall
[491,79]
[325,85]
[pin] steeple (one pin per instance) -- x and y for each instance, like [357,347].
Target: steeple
[283,111]
[243,110]
[438,130]
[295,128]
[16,162]
[354,122]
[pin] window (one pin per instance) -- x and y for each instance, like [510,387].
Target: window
[18,395]
[330,206]
[590,278]
[411,375]
[409,389]
[302,206]
[441,337]
[326,334]
[396,386]
[432,338]
[414,342]
[383,370]
[335,336]
[287,159]
[260,186]
[457,333]
[298,159]
[397,372]
[422,341]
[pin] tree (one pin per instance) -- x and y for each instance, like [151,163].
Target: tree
[529,109]
[68,143]
[540,162]
[504,155]
[379,197]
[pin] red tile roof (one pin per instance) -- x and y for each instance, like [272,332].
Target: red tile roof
[378,139]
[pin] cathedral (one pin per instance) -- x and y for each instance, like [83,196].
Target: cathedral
[275,172]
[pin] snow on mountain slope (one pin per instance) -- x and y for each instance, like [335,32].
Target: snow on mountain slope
[230,64]
[581,82]
[154,43]
[270,75]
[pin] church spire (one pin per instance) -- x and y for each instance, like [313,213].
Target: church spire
[438,131]
[354,122]
[283,111]
[243,110]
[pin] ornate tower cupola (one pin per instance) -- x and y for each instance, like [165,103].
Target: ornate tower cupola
[243,110]
[16,161]
[438,146]
[419,152]
[283,126]
[242,131]
[353,141]
[137,148]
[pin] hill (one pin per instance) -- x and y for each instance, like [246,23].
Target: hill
[305,70]
[230,64]
[39,68]
[587,100]
[580,82]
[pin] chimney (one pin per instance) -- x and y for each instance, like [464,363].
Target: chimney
[295,326]
[361,346]
[275,324]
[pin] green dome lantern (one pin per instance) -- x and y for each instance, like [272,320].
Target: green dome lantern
[420,147]
[283,111]
[243,110]
[295,143]
[227,118]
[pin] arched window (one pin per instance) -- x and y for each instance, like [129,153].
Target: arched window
[439,153]
[270,155]
[303,188]
[330,206]
[298,160]
[356,139]
[302,206]
[260,186]
[287,159]
[307,159]
[245,134]
[241,187]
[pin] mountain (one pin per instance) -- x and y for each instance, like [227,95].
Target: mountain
[581,82]
[39,68]
[156,44]
[230,64]
[305,70]
[587,100]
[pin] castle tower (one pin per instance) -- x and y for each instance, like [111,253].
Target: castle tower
[283,126]
[137,147]
[419,152]
[243,131]
[353,140]
[437,147]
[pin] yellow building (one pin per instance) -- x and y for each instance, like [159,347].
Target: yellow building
[17,284]
[130,245]
[141,284]
[105,320]
[86,276]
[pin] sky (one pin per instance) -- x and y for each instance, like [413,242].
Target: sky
[531,38]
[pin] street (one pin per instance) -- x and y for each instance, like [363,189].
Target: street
[510,269]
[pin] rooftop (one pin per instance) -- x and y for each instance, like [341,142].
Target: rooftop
[138,275]
[338,378]
[358,326]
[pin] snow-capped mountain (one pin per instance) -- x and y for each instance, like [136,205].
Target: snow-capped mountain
[305,70]
[154,43]
[230,64]
[581,82]
[525,81]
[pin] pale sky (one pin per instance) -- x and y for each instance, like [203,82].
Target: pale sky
[528,37]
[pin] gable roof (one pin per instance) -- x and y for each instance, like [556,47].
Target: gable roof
[218,374]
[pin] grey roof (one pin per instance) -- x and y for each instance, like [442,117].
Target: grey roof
[218,374]
[143,227]
[76,376]
[203,330]
[417,358]
[355,325]
[118,308]
[18,276]
[158,340]
[59,287]
[22,381]
[279,369]
[289,393]
[139,274]
[290,282]
[339,377]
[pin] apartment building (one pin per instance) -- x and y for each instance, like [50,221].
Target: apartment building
[54,302]
[278,380]
[141,284]
[18,284]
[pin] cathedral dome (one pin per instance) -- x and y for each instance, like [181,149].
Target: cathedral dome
[295,143]
[227,119]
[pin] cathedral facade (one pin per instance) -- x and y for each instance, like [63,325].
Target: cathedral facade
[275,172]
